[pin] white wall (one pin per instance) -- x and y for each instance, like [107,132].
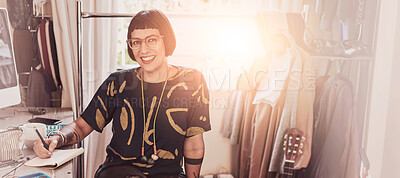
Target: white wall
[391,153]
[384,123]
[218,149]
[3,3]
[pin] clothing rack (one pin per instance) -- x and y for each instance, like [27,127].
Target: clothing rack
[85,15]
[104,15]
[370,60]
[356,58]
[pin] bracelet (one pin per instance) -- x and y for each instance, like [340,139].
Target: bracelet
[193,161]
[54,132]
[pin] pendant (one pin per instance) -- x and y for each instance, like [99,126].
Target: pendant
[143,159]
[154,157]
[151,161]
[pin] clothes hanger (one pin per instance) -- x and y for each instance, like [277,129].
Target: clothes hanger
[339,65]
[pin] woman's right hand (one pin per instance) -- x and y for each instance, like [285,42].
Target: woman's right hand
[42,152]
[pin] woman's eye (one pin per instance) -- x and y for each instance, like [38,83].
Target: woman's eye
[152,40]
[136,42]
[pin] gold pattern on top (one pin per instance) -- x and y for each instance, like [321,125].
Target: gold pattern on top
[203,98]
[171,121]
[123,118]
[147,136]
[142,165]
[147,133]
[163,154]
[102,104]
[121,88]
[182,72]
[202,118]
[194,131]
[112,89]
[123,158]
[99,119]
[176,152]
[108,89]
[132,119]
[182,84]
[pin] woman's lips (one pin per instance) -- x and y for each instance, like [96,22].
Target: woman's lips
[148,59]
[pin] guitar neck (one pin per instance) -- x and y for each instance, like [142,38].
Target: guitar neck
[288,169]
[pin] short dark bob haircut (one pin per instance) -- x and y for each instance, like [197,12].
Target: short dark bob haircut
[153,19]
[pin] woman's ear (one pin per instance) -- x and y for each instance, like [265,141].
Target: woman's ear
[130,52]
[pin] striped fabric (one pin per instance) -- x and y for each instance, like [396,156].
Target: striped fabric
[48,52]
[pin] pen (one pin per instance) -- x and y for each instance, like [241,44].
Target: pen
[41,138]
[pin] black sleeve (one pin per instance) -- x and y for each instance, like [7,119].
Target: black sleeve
[198,117]
[101,108]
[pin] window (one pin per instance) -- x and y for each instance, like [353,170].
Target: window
[212,36]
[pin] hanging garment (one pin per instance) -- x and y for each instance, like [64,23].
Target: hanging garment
[53,50]
[47,51]
[296,67]
[269,100]
[37,59]
[273,83]
[344,8]
[248,83]
[335,152]
[245,137]
[37,63]
[296,27]
[297,111]
[38,94]
[233,116]
[266,122]
[265,107]
[21,14]
[22,43]
[328,14]
[226,129]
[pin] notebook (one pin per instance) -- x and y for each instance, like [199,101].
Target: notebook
[58,158]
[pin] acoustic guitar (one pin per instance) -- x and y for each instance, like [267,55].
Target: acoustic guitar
[292,148]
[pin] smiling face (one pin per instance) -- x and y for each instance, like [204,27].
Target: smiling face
[151,59]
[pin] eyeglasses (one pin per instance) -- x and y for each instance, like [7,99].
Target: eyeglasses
[151,41]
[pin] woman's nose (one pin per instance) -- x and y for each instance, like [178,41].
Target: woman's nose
[144,48]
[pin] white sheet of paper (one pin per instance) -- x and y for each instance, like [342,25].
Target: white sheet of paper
[58,158]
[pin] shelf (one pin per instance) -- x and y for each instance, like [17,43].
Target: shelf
[355,58]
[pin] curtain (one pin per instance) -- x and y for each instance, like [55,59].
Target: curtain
[64,22]
[99,60]
[65,33]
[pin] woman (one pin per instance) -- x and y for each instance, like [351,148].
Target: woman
[151,140]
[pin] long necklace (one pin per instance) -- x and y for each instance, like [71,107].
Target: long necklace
[154,156]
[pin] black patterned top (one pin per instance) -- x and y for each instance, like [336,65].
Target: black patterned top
[183,112]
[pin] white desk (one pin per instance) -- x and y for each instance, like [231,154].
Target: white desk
[21,117]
